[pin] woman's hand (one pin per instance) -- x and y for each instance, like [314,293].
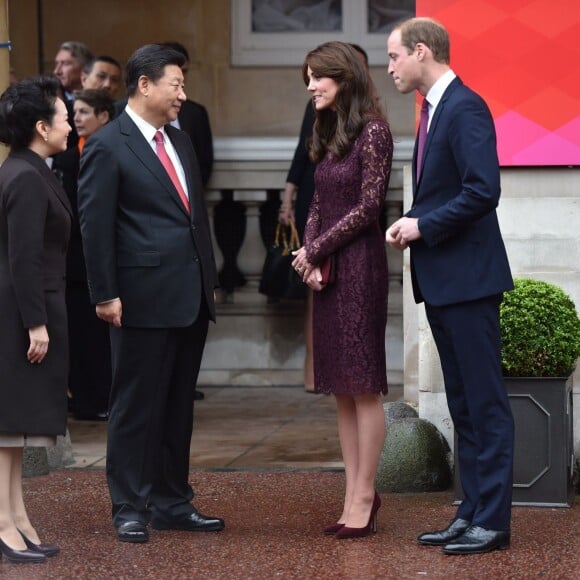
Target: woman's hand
[285,215]
[301,263]
[38,344]
[314,280]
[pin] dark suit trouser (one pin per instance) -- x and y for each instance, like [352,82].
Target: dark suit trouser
[468,339]
[151,419]
[90,354]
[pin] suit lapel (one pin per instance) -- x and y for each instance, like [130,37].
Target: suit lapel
[433,125]
[144,152]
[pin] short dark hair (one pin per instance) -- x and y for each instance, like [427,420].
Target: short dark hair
[103,58]
[150,61]
[99,99]
[22,105]
[178,47]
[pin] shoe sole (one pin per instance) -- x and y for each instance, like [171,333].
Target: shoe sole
[162,527]
[500,547]
[133,540]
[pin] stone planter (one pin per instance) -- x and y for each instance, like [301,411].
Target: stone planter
[544,452]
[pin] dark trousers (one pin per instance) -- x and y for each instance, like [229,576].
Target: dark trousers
[90,354]
[151,419]
[468,339]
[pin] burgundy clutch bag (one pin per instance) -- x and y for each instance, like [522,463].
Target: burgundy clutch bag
[327,269]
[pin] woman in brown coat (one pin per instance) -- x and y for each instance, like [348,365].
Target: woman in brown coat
[35,220]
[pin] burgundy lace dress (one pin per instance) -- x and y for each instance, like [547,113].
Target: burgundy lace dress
[350,315]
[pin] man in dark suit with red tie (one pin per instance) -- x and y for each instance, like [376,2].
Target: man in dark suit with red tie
[151,273]
[459,268]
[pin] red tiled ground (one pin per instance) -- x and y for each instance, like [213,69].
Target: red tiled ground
[273,530]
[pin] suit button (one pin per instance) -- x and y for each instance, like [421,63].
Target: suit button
[193,227]
[195,259]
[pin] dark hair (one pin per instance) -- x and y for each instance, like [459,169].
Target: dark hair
[178,47]
[99,99]
[78,50]
[355,104]
[103,58]
[362,51]
[150,61]
[430,33]
[22,105]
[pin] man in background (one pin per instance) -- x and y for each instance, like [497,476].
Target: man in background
[71,58]
[103,72]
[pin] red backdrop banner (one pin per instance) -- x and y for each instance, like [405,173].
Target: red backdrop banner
[523,57]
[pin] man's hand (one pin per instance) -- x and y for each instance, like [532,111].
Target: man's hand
[402,232]
[110,312]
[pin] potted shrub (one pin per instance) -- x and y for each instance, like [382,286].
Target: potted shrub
[540,332]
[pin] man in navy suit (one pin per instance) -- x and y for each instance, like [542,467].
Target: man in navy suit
[151,273]
[459,268]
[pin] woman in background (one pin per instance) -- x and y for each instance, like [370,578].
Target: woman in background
[35,220]
[90,351]
[352,146]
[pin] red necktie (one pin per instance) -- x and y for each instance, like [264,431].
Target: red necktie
[170,168]
[422,137]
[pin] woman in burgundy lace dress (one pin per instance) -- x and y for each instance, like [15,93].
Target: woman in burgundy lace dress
[353,147]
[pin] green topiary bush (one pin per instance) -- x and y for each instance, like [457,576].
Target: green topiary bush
[540,331]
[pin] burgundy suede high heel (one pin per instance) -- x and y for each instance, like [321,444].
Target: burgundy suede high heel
[346,532]
[332,529]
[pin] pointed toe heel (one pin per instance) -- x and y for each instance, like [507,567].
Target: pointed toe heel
[21,556]
[332,529]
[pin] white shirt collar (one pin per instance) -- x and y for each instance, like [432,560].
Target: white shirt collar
[436,91]
[146,128]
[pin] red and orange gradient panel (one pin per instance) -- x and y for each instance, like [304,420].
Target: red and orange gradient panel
[523,58]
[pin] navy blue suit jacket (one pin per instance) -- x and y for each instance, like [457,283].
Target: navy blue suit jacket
[461,255]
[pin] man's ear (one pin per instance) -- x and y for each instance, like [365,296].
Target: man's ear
[143,85]
[421,50]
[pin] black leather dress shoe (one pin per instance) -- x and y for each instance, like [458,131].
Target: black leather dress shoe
[133,531]
[198,395]
[478,540]
[194,522]
[442,537]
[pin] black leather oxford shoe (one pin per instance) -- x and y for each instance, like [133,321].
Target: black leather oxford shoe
[133,531]
[478,540]
[193,522]
[442,537]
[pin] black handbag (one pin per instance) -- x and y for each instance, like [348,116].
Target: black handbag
[279,279]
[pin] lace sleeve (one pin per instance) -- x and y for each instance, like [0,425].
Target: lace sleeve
[312,228]
[376,154]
